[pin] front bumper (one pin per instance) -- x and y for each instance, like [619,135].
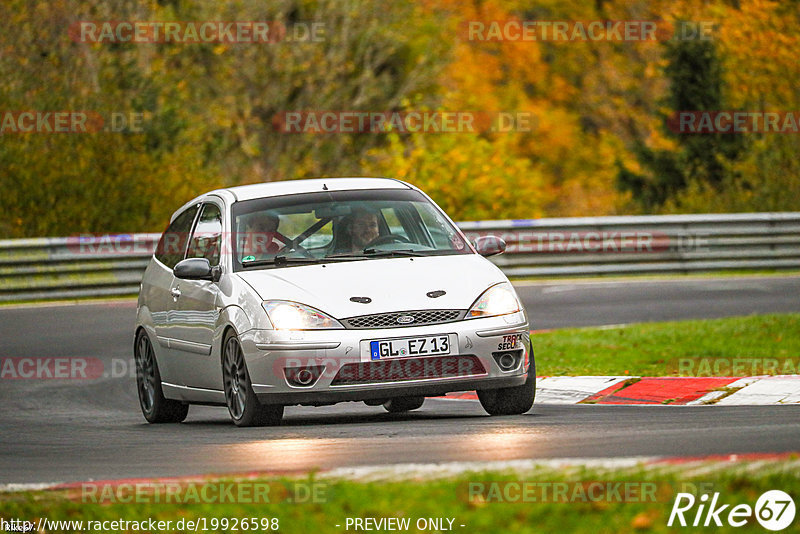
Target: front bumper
[331,353]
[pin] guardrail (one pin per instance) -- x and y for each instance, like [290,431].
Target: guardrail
[645,244]
[57,268]
[61,267]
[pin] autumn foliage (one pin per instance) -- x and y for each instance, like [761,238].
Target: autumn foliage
[598,143]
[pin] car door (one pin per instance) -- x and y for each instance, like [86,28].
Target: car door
[199,306]
[158,283]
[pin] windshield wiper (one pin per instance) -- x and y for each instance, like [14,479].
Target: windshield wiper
[286,260]
[373,252]
[279,260]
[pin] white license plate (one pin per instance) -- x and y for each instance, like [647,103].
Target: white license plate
[412,346]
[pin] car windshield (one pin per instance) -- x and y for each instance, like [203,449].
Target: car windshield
[340,226]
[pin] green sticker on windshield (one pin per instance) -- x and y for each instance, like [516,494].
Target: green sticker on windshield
[248,258]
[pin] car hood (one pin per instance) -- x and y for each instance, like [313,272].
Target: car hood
[392,284]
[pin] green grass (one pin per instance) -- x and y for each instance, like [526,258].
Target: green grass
[450,498]
[653,349]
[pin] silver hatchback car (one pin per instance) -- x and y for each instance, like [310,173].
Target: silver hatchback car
[314,292]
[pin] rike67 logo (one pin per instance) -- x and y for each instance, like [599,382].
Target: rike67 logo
[774,510]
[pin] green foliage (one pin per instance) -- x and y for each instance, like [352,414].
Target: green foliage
[208,108]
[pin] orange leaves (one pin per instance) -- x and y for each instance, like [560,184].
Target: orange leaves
[556,164]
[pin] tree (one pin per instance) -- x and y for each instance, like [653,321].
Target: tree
[696,84]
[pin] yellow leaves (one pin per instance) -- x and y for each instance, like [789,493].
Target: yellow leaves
[540,165]
[469,176]
[760,42]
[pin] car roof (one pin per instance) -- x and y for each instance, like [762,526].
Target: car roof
[289,187]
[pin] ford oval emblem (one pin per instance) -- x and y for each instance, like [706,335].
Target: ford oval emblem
[405,319]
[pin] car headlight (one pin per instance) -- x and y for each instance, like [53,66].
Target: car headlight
[500,299]
[288,315]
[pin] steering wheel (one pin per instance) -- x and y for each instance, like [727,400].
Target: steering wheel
[386,239]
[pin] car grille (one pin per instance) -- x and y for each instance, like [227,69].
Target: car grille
[401,369]
[401,319]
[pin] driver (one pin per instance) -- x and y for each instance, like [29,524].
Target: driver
[261,234]
[362,229]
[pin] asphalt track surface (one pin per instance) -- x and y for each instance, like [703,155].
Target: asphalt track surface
[73,430]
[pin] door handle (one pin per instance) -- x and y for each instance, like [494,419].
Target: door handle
[175,292]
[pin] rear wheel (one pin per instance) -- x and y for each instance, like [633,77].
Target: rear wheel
[403,404]
[515,400]
[155,407]
[243,405]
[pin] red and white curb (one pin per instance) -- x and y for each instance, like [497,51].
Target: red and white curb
[666,390]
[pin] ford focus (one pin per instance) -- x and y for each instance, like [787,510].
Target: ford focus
[314,292]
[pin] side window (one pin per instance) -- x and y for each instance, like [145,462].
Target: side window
[172,244]
[207,237]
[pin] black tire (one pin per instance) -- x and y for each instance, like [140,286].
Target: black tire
[403,404]
[514,400]
[243,405]
[155,407]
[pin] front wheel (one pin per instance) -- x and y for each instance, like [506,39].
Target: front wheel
[515,400]
[155,407]
[243,405]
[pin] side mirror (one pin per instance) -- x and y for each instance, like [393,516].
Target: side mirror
[197,269]
[490,245]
